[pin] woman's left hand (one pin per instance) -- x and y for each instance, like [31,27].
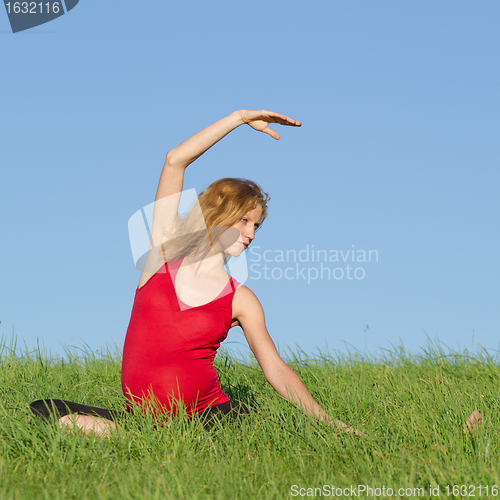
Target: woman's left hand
[346,428]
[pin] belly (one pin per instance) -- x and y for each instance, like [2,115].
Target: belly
[189,381]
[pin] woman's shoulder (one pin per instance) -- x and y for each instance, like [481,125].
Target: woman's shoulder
[244,296]
[246,305]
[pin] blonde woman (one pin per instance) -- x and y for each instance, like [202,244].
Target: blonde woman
[186,302]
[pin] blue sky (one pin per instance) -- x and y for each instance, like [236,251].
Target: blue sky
[398,154]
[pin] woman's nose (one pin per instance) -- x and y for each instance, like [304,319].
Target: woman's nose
[249,232]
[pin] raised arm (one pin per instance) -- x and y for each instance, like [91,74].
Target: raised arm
[169,190]
[248,311]
[187,152]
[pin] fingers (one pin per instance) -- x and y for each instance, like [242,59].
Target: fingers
[346,428]
[356,432]
[293,123]
[269,117]
[259,120]
[282,119]
[473,422]
[272,133]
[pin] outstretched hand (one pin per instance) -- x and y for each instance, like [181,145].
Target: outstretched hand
[260,119]
[352,429]
[473,423]
[341,426]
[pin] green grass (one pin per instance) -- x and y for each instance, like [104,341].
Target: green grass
[412,408]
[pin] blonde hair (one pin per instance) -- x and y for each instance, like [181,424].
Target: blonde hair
[222,204]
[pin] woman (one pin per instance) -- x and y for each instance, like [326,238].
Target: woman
[186,302]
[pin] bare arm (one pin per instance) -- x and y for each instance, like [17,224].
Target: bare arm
[248,311]
[168,194]
[178,159]
[187,152]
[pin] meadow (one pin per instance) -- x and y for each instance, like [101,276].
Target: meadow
[412,407]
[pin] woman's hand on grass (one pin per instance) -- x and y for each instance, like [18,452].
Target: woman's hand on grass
[473,423]
[260,119]
[346,428]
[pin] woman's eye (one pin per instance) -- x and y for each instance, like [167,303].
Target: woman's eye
[244,220]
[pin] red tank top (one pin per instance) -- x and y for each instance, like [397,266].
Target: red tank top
[169,353]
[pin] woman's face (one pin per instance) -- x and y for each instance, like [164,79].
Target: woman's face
[246,226]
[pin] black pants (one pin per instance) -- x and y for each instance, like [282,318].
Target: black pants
[57,408]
